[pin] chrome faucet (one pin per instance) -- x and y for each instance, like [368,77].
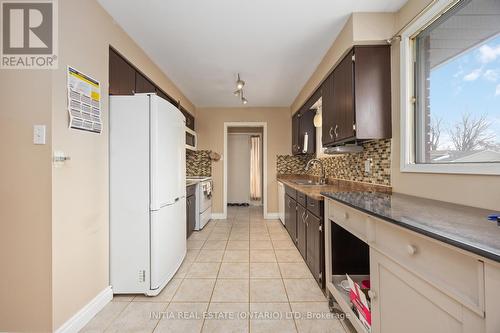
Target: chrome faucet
[322,179]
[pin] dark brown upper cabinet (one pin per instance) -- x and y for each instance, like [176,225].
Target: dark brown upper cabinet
[143,85]
[189,119]
[125,79]
[302,124]
[121,75]
[307,127]
[357,97]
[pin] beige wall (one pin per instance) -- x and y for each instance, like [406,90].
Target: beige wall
[54,236]
[363,28]
[25,211]
[80,190]
[474,190]
[210,130]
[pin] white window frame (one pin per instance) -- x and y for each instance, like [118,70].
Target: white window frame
[407,163]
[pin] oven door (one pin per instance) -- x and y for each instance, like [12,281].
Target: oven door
[205,197]
[191,139]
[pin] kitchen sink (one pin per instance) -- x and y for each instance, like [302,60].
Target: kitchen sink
[307,182]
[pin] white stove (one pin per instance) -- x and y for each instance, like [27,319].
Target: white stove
[203,199]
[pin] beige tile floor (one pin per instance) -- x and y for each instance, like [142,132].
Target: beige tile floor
[242,274]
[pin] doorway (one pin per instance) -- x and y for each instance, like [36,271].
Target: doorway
[245,161]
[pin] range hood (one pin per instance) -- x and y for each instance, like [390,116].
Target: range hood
[344,149]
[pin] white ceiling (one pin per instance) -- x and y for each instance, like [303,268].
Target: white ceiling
[274,44]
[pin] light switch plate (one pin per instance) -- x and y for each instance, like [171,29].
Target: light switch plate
[39,134]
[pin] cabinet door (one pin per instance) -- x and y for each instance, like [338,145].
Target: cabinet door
[343,99]
[291,217]
[402,302]
[306,125]
[189,119]
[301,231]
[121,75]
[191,214]
[143,85]
[295,133]
[315,247]
[372,68]
[327,134]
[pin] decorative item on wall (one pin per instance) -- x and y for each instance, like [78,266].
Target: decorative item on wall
[239,90]
[346,166]
[84,102]
[214,156]
[198,163]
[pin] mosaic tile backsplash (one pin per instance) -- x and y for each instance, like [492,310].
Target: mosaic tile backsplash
[345,166]
[198,163]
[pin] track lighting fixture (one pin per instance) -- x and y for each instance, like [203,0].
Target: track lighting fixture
[240,83]
[239,90]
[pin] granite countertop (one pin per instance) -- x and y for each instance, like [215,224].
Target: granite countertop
[334,185]
[465,227]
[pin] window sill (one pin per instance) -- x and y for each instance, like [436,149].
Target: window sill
[463,169]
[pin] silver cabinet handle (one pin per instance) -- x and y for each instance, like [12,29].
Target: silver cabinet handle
[336,130]
[303,214]
[305,220]
[330,132]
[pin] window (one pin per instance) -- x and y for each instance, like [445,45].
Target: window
[454,115]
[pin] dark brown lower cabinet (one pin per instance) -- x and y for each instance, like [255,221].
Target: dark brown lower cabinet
[301,231]
[190,210]
[304,224]
[315,247]
[291,217]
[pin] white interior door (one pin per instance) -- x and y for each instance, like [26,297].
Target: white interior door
[238,165]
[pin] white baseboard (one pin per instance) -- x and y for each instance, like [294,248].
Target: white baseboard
[272,216]
[82,317]
[218,216]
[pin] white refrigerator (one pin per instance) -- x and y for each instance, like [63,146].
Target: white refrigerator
[147,193]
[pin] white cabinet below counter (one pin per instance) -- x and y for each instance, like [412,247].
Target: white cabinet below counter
[417,283]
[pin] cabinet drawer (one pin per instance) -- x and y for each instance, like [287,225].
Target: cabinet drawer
[452,272]
[315,206]
[291,192]
[301,198]
[348,218]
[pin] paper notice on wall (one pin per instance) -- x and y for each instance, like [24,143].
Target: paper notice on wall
[84,102]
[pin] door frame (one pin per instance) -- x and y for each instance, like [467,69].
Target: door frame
[262,125]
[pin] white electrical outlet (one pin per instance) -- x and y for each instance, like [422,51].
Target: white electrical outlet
[39,134]
[368,166]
